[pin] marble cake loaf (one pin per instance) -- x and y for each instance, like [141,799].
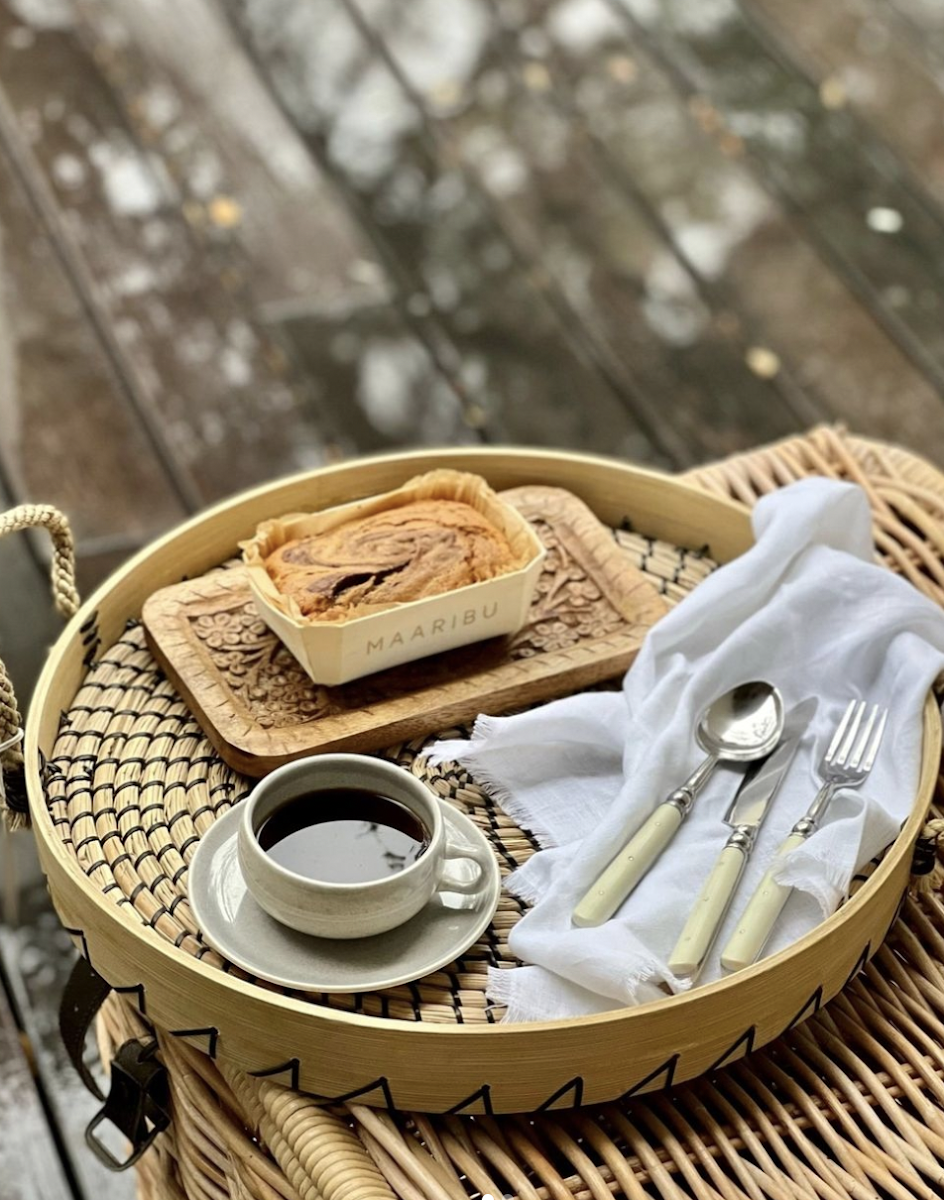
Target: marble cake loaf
[372,563]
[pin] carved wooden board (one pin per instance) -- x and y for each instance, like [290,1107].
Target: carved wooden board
[590,613]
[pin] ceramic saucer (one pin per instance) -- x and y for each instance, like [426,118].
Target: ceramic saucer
[234,924]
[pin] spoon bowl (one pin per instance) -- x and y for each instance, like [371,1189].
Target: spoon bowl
[744,724]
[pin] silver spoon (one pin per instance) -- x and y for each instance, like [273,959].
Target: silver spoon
[740,726]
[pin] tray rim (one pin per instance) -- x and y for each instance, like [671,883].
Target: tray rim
[665,507]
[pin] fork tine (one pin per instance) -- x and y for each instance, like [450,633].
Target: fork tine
[840,730]
[840,759]
[876,740]
[864,736]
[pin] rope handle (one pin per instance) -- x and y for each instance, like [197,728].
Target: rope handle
[13,804]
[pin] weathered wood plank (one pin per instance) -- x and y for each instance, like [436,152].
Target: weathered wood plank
[29,1162]
[243,174]
[488,317]
[852,50]
[64,419]
[821,162]
[622,281]
[763,282]
[215,387]
[922,21]
[386,385]
[257,208]
[37,958]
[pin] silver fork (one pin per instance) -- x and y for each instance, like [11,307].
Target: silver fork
[846,763]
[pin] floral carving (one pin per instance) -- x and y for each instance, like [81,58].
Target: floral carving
[258,669]
[568,606]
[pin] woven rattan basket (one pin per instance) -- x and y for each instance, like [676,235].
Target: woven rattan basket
[126,784]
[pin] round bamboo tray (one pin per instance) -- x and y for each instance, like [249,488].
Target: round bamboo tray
[117,869]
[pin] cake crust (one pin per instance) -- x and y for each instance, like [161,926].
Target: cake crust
[367,564]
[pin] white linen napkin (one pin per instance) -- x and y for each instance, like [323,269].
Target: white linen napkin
[806,608]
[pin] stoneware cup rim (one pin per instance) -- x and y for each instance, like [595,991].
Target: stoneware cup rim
[360,764]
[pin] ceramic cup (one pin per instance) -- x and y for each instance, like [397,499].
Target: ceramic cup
[352,910]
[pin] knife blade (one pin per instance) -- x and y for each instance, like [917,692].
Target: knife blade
[760,784]
[747,811]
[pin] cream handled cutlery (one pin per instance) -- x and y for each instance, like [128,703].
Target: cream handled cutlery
[742,725]
[745,815]
[846,764]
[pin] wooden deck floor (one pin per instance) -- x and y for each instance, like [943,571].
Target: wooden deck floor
[243,237]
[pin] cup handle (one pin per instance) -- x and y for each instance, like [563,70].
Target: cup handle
[449,882]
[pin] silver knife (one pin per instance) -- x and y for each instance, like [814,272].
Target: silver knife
[745,815]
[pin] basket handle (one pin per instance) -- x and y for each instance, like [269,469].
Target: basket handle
[13,804]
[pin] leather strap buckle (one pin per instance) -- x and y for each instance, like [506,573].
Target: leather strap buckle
[138,1100]
[137,1103]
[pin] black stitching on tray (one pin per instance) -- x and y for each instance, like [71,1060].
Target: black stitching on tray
[416,999]
[667,1068]
[164,849]
[126,857]
[179,816]
[95,866]
[173,904]
[484,1093]
[149,853]
[136,891]
[811,1006]
[188,842]
[119,665]
[128,783]
[381,1082]
[574,1085]
[454,996]
[51,768]
[178,875]
[212,1033]
[291,1065]
[157,805]
[179,785]
[110,811]
[859,964]
[747,1038]
[138,990]
[156,916]
[80,934]
[180,719]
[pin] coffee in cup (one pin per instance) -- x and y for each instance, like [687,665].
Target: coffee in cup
[347,846]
